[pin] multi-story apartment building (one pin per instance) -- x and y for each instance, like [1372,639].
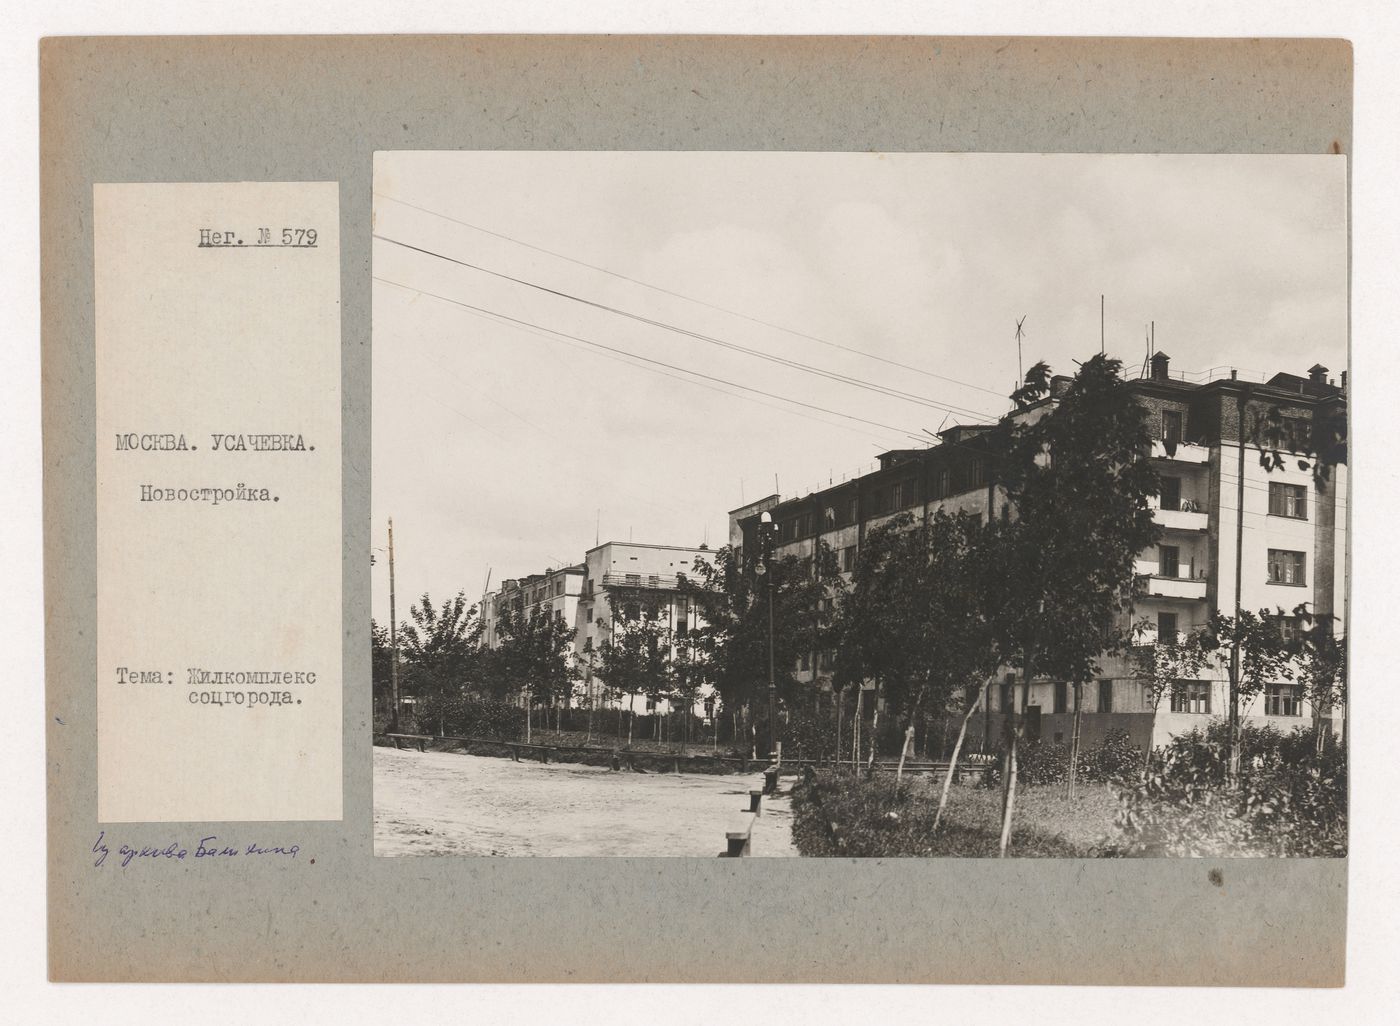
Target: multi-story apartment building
[1234,535]
[554,593]
[620,572]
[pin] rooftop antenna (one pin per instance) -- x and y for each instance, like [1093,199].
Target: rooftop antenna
[1101,339]
[1020,334]
[598,528]
[776,489]
[741,491]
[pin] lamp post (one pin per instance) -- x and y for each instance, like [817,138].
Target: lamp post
[768,528]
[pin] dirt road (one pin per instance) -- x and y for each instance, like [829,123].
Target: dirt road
[443,803]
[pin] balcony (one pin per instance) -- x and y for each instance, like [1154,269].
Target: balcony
[1154,585]
[1181,519]
[649,582]
[1185,452]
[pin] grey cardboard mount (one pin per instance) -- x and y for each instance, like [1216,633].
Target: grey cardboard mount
[317,108]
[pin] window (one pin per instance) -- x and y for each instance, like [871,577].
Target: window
[1105,696]
[1061,696]
[1287,567]
[1288,500]
[806,662]
[1166,628]
[1282,700]
[1171,493]
[1168,561]
[653,581]
[943,483]
[1172,424]
[1191,696]
[976,472]
[827,659]
[848,558]
[897,495]
[1008,697]
[1295,431]
[1290,628]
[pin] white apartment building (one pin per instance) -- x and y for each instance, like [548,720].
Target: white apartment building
[1235,535]
[618,572]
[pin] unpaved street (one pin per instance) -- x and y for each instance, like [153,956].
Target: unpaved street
[443,803]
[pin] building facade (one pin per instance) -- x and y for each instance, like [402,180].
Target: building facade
[553,593]
[1234,535]
[616,573]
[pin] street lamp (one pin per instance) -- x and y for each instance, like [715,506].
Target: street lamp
[767,537]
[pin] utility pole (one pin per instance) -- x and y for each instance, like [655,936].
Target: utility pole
[393,636]
[769,528]
[1233,765]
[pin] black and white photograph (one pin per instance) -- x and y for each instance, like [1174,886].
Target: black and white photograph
[859,505]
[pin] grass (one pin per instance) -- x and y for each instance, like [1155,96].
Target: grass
[846,817]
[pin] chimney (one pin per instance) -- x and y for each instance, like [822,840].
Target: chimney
[1059,385]
[1344,381]
[1160,361]
[1317,374]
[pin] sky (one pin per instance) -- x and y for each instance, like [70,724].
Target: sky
[541,321]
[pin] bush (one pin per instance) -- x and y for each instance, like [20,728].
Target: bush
[1288,801]
[856,817]
[1040,762]
[809,734]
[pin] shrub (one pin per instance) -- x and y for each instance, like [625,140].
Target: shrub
[1040,762]
[858,817]
[1287,800]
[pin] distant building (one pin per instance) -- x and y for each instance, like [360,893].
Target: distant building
[554,592]
[617,572]
[1214,489]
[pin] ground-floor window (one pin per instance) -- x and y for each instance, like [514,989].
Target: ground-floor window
[1191,696]
[1283,700]
[1105,696]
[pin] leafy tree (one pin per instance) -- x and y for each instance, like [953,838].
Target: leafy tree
[1321,447]
[1320,660]
[1164,666]
[440,653]
[381,665]
[1254,654]
[534,659]
[734,603]
[1060,563]
[913,620]
[634,658]
[687,678]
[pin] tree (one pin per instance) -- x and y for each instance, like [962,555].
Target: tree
[1318,445]
[733,638]
[1061,560]
[1164,667]
[440,648]
[1320,658]
[534,659]
[1253,652]
[634,658]
[381,665]
[913,620]
[687,678]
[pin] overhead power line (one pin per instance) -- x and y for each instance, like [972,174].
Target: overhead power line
[847,379]
[691,299]
[629,362]
[646,359]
